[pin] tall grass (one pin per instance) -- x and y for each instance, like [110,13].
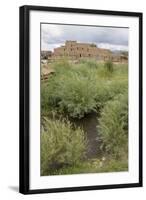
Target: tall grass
[109,66]
[75,90]
[93,166]
[90,63]
[61,145]
[78,89]
[113,126]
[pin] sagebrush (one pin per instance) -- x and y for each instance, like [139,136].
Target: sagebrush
[61,145]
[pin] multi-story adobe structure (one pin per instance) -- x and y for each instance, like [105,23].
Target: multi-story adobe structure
[75,50]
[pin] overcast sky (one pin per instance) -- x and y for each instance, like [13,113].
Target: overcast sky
[53,36]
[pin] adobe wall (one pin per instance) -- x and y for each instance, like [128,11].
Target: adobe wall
[75,50]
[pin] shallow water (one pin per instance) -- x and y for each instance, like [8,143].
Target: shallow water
[89,124]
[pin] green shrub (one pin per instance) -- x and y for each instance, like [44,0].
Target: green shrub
[75,90]
[62,63]
[61,66]
[90,63]
[109,66]
[44,98]
[94,166]
[78,89]
[107,90]
[70,92]
[61,145]
[113,126]
[49,95]
[77,96]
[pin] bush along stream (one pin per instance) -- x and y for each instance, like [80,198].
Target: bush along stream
[84,118]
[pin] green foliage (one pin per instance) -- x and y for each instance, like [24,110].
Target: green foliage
[70,91]
[73,91]
[90,63]
[77,96]
[94,166]
[62,63]
[61,145]
[109,66]
[113,126]
[78,89]
[49,96]
[44,98]
[107,90]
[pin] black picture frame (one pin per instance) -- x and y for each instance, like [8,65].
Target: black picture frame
[25,105]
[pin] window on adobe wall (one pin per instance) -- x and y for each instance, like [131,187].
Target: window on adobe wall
[80,55]
[89,55]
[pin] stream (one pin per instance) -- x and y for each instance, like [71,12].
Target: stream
[89,124]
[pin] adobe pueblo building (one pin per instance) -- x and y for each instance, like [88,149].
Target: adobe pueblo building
[75,51]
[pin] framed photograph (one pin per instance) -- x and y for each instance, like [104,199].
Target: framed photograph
[80,99]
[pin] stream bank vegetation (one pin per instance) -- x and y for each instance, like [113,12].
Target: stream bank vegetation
[75,93]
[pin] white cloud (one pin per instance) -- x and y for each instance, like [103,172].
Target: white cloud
[113,47]
[106,37]
[52,30]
